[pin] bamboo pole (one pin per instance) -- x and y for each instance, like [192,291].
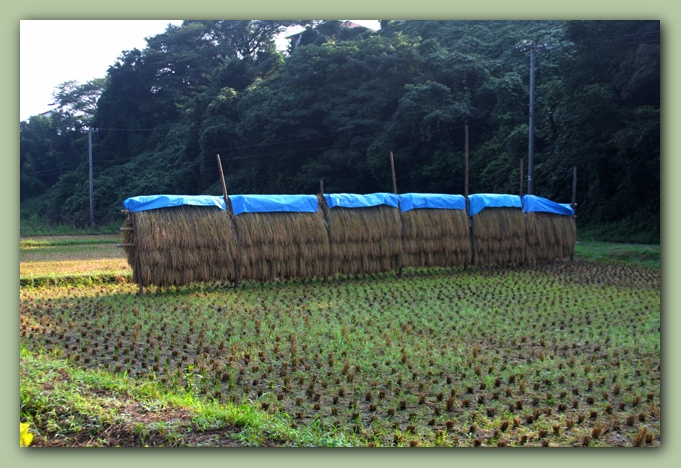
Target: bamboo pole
[326,222]
[574,204]
[138,265]
[229,213]
[521,177]
[392,167]
[574,188]
[222,180]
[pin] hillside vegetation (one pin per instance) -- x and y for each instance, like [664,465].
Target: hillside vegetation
[334,108]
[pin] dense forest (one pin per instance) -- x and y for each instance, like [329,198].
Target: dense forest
[334,106]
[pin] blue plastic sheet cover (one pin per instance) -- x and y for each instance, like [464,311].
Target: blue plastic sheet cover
[352,200]
[273,203]
[153,202]
[416,201]
[479,201]
[533,203]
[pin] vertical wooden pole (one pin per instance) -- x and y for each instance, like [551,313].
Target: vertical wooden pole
[227,210]
[574,203]
[574,188]
[137,253]
[392,167]
[321,194]
[466,170]
[521,177]
[92,199]
[222,180]
[465,189]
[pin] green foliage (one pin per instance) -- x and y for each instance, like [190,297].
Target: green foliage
[79,100]
[343,99]
[635,254]
[34,225]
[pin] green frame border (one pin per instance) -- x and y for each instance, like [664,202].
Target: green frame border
[670,17]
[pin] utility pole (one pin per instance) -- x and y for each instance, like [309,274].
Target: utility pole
[465,183]
[530,150]
[532,46]
[92,200]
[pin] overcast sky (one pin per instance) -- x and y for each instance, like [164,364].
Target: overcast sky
[55,51]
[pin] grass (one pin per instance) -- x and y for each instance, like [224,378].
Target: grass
[72,259]
[563,354]
[86,408]
[635,254]
[79,240]
[34,225]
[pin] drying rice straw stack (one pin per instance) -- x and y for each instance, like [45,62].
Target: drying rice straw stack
[434,230]
[278,240]
[177,245]
[365,233]
[497,230]
[551,230]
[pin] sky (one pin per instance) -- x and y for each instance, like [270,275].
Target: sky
[55,51]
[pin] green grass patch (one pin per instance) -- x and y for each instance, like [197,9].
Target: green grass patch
[74,260]
[73,240]
[30,224]
[70,406]
[635,254]
[90,278]
[622,232]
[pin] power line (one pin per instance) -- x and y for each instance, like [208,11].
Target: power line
[112,163]
[53,170]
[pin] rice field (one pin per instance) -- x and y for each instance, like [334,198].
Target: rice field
[563,354]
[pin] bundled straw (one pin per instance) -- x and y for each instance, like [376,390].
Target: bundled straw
[435,237]
[498,237]
[180,245]
[550,237]
[282,245]
[364,240]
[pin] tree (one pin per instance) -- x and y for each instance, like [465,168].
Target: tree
[79,100]
[247,38]
[48,147]
[608,120]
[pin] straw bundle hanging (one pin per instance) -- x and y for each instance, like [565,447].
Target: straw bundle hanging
[364,240]
[550,236]
[498,237]
[180,245]
[435,237]
[282,245]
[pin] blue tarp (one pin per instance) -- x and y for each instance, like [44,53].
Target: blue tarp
[415,201]
[153,202]
[480,201]
[533,203]
[240,203]
[351,200]
[274,203]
